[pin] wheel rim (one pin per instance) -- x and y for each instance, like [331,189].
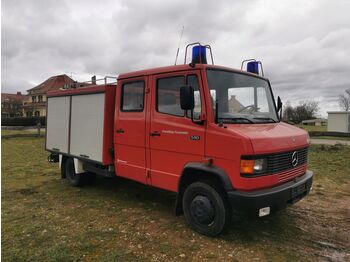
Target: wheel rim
[202,210]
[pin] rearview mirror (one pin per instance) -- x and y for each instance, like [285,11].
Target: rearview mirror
[187,98]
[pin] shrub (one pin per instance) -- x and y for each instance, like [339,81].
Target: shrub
[23,121]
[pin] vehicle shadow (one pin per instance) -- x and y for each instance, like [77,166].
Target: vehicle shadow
[135,193]
[280,226]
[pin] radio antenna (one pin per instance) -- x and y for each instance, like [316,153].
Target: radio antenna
[178,48]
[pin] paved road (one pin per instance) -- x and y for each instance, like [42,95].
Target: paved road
[329,141]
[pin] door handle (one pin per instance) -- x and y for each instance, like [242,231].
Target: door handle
[119,131]
[155,133]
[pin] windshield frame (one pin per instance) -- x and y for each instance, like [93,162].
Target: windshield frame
[275,113]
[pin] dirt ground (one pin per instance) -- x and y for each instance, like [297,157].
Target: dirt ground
[44,219]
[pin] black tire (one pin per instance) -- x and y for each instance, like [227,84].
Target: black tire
[63,168]
[89,178]
[205,209]
[73,178]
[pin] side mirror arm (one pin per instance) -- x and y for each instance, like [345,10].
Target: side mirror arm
[197,121]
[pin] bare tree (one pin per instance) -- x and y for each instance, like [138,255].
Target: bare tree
[304,111]
[344,100]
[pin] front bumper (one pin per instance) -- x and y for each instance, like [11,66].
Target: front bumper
[275,198]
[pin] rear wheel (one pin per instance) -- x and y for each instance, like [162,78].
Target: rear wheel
[73,178]
[89,178]
[205,209]
[63,168]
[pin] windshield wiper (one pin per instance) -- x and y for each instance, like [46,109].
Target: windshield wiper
[235,119]
[265,118]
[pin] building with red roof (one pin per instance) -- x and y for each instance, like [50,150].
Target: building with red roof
[11,104]
[34,103]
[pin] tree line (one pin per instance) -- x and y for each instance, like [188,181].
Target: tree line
[308,109]
[344,100]
[304,111]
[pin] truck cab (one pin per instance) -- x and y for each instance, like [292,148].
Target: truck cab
[211,134]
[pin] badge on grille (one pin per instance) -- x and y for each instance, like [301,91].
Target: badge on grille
[295,158]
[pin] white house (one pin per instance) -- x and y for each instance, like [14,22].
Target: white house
[339,121]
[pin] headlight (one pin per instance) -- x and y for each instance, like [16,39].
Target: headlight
[253,166]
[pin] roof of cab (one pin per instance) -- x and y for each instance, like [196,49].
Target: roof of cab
[177,68]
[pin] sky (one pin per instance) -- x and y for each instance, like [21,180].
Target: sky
[303,45]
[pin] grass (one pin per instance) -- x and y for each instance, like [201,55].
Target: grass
[18,132]
[313,128]
[44,219]
[321,129]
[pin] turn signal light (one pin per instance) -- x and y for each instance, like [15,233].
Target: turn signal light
[247,166]
[253,166]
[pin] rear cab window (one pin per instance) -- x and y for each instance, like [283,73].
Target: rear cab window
[132,98]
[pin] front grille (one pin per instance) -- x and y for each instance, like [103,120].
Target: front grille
[291,173]
[283,161]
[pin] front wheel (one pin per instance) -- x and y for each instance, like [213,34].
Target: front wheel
[205,209]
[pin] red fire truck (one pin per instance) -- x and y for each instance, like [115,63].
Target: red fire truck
[211,134]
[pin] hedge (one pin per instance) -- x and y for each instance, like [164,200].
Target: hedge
[23,121]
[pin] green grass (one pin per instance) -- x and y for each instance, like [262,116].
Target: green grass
[313,128]
[321,129]
[44,219]
[17,132]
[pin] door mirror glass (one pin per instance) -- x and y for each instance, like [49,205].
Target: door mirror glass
[187,98]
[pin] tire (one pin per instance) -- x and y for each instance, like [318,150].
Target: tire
[205,208]
[63,168]
[73,178]
[89,178]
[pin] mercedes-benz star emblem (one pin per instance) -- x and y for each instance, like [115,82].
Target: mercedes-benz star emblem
[295,159]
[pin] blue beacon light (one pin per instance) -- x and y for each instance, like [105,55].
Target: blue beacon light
[199,55]
[253,67]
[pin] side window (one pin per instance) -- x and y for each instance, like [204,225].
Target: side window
[192,80]
[133,96]
[168,95]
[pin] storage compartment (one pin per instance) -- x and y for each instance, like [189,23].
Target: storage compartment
[80,123]
[57,125]
[87,118]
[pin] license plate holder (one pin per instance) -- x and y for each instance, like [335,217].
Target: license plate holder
[298,190]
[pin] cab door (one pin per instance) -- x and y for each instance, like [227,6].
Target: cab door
[130,128]
[174,139]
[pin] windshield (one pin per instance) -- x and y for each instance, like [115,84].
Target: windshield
[241,98]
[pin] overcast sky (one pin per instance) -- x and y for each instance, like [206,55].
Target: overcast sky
[304,45]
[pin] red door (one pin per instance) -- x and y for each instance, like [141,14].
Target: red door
[174,139]
[130,128]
